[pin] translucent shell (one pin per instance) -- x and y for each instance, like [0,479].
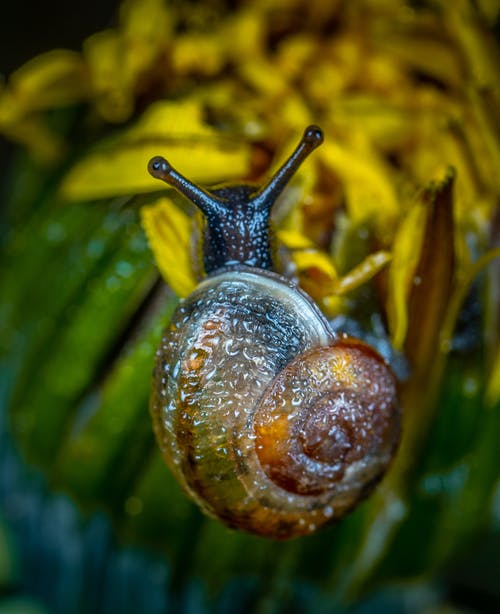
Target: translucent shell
[269,421]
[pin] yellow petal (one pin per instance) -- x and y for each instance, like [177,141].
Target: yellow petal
[183,119]
[369,187]
[54,79]
[429,56]
[104,55]
[493,390]
[36,136]
[307,261]
[119,58]
[260,74]
[174,130]
[169,231]
[146,27]
[305,254]
[405,258]
[294,240]
[388,125]
[294,112]
[198,53]
[362,272]
[243,34]
[147,21]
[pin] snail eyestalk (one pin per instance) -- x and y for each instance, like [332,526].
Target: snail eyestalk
[159,168]
[312,138]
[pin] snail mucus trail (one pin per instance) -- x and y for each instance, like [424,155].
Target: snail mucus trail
[270,421]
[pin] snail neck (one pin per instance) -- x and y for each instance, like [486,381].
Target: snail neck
[237,232]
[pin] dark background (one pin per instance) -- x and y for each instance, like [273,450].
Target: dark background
[28,28]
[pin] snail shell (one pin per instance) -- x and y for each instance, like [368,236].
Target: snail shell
[269,420]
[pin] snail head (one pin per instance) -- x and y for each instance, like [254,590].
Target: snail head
[237,217]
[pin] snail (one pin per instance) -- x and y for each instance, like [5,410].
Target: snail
[271,422]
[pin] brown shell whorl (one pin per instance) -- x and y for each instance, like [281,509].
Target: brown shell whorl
[328,420]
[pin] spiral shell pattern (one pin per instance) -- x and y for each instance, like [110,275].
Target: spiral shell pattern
[269,421]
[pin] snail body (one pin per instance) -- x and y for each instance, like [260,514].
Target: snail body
[270,421]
